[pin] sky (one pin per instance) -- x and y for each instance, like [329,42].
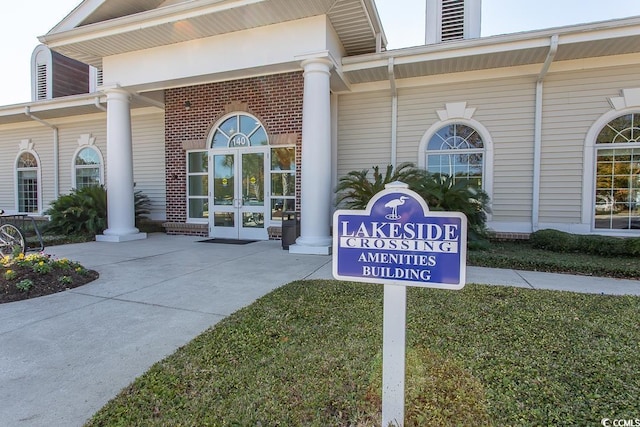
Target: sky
[403,21]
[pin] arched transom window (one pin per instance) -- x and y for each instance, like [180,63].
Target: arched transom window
[27,182]
[617,188]
[456,150]
[239,130]
[87,168]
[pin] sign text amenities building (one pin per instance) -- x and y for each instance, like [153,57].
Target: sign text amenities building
[397,240]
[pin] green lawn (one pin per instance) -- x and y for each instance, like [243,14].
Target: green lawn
[308,354]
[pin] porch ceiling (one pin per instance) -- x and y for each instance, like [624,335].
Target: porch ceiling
[512,50]
[119,26]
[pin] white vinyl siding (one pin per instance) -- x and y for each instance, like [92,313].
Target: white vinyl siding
[148,156]
[364,131]
[149,161]
[10,139]
[69,135]
[572,103]
[506,109]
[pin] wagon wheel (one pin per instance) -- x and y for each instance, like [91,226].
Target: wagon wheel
[11,240]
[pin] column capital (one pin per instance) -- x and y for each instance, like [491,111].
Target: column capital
[321,64]
[116,91]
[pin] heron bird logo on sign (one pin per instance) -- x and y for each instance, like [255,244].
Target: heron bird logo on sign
[393,204]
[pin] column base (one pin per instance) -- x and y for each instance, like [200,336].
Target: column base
[309,250]
[312,246]
[120,238]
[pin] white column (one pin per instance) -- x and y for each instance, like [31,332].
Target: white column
[315,172]
[120,199]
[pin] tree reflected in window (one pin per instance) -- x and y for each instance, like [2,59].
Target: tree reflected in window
[617,189]
[457,150]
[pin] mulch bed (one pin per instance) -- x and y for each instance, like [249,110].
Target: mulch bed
[43,284]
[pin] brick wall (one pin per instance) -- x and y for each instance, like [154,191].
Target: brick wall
[275,100]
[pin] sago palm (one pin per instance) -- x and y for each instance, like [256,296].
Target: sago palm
[355,189]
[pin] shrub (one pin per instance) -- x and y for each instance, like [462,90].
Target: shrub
[551,240]
[84,211]
[441,192]
[608,246]
[355,189]
[142,205]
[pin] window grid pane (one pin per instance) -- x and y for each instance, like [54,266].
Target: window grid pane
[468,160]
[283,181]
[617,189]
[28,191]
[87,177]
[197,184]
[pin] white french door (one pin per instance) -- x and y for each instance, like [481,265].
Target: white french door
[239,193]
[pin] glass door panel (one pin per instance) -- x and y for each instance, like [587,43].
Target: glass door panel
[253,206]
[224,218]
[238,194]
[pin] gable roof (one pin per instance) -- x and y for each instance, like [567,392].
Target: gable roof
[100,28]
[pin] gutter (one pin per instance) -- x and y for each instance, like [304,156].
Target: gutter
[394,112]
[537,133]
[56,149]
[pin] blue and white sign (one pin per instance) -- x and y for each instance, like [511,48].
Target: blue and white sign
[398,241]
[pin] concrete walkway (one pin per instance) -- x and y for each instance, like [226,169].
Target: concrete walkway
[63,356]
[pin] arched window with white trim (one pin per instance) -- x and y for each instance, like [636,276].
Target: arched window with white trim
[617,180]
[28,182]
[458,146]
[87,168]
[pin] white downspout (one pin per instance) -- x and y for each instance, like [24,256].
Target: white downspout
[56,149]
[394,113]
[537,138]
[98,105]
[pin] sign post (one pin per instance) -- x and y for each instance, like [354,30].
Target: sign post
[393,355]
[398,242]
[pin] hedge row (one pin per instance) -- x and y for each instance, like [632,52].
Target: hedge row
[559,241]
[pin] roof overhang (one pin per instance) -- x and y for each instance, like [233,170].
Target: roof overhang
[101,28]
[69,106]
[616,37]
